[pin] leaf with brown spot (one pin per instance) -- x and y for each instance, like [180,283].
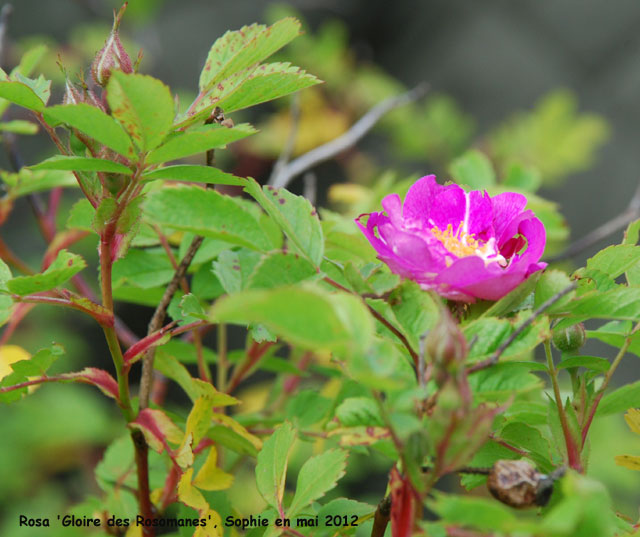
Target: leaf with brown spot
[144,107]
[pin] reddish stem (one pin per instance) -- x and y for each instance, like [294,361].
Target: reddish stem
[255,352]
[379,317]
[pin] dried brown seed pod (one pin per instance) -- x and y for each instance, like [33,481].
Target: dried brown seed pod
[518,484]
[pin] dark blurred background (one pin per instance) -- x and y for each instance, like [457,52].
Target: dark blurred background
[494,59]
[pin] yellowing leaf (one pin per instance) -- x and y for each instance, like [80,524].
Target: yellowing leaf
[632,417]
[213,526]
[10,354]
[210,477]
[134,531]
[199,419]
[628,461]
[189,495]
[254,398]
[184,456]
[232,424]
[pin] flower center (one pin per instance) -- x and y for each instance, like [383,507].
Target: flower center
[463,244]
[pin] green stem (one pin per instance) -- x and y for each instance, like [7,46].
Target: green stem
[605,383]
[573,453]
[223,365]
[121,372]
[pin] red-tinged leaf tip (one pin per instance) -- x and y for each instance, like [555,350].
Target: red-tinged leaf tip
[158,429]
[139,348]
[99,378]
[403,505]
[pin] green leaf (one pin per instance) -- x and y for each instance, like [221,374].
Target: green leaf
[195,174]
[615,260]
[317,476]
[29,60]
[500,382]
[342,507]
[474,170]
[522,177]
[622,303]
[271,468]
[240,49]
[208,213]
[620,400]
[185,352]
[480,513]
[354,411]
[550,283]
[26,181]
[615,332]
[515,298]
[234,267]
[594,363]
[530,439]
[19,126]
[62,269]
[143,268]
[303,315]
[307,407]
[198,140]
[278,269]
[62,162]
[268,82]
[6,303]
[490,333]
[295,216]
[415,310]
[93,122]
[39,363]
[21,94]
[144,107]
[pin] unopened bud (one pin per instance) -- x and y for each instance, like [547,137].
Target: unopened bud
[569,339]
[113,56]
[72,95]
[445,343]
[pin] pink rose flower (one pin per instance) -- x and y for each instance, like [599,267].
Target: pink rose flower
[463,245]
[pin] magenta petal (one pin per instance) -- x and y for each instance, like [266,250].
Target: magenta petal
[393,207]
[506,207]
[479,215]
[419,199]
[500,248]
[449,208]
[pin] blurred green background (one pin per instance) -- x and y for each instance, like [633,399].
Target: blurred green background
[547,87]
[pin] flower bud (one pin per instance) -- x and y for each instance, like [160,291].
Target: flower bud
[71,94]
[445,344]
[569,339]
[113,56]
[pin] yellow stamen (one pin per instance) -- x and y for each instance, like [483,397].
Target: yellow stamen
[459,242]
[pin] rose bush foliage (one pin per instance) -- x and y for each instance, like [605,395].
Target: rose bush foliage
[406,371]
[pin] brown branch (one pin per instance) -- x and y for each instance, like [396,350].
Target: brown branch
[379,317]
[631,213]
[381,517]
[346,140]
[158,318]
[493,359]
